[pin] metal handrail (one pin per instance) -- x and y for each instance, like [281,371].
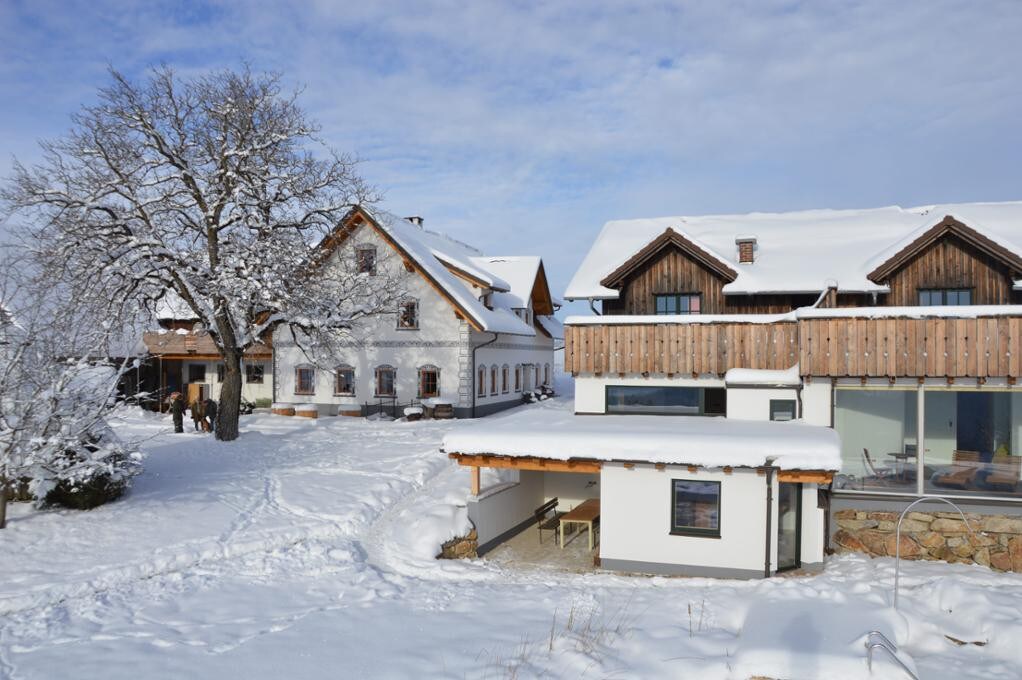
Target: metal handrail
[888,647]
[897,538]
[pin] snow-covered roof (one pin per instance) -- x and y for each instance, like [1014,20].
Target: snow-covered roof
[435,253]
[551,325]
[762,377]
[939,312]
[796,251]
[558,434]
[171,307]
[520,273]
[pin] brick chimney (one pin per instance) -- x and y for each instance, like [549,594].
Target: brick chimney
[746,249]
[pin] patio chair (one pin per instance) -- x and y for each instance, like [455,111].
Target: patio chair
[548,518]
[962,473]
[879,473]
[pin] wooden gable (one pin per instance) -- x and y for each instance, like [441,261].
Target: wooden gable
[950,255]
[542,301]
[670,263]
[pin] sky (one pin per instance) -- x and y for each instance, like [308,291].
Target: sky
[521,127]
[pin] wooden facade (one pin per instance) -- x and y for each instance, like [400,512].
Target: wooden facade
[679,349]
[896,347]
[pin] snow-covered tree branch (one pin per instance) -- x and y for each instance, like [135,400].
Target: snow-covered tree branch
[213,190]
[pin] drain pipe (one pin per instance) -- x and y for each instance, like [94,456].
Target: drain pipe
[592,306]
[475,370]
[769,515]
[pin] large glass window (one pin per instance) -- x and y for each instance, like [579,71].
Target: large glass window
[944,296]
[685,303]
[695,508]
[693,401]
[973,442]
[878,438]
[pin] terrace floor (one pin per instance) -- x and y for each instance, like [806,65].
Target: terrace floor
[524,549]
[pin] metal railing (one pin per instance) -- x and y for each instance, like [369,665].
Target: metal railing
[877,640]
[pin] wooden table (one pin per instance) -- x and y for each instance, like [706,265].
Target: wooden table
[587,512]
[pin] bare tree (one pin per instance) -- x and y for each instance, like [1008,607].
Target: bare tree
[57,385]
[214,189]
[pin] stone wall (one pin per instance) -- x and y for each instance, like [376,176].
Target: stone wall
[461,547]
[995,540]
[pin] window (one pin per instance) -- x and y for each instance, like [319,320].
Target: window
[537,375]
[546,374]
[196,373]
[493,380]
[684,303]
[408,315]
[505,379]
[429,382]
[932,297]
[220,371]
[344,380]
[365,260]
[305,380]
[254,374]
[385,381]
[692,401]
[695,508]
[878,436]
[518,378]
[782,409]
[481,382]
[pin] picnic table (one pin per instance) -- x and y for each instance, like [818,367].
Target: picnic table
[587,512]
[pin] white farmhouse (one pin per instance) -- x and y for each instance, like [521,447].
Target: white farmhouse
[474,331]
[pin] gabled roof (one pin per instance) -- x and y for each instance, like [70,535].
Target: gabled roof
[949,226]
[797,252]
[445,263]
[670,238]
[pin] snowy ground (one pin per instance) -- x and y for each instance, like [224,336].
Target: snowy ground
[306,550]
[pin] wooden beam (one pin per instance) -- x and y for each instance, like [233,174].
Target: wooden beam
[805,476]
[660,467]
[693,469]
[628,466]
[475,483]
[526,463]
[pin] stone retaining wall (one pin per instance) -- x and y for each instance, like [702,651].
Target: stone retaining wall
[995,541]
[461,547]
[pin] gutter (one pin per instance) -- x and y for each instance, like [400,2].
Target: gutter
[475,371]
[769,515]
[592,306]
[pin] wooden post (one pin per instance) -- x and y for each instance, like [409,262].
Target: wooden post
[474,486]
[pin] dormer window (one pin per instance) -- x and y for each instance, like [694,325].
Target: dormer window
[936,297]
[678,303]
[365,260]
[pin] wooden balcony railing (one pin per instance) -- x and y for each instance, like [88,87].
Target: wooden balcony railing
[856,345]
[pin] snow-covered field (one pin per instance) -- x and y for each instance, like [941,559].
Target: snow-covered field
[306,550]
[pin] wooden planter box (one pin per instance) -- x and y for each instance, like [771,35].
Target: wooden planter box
[307,413]
[283,409]
[443,411]
[350,411]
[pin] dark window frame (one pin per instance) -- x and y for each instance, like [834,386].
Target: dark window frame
[493,380]
[298,380]
[360,261]
[423,370]
[221,371]
[402,315]
[677,297]
[481,379]
[338,370]
[695,532]
[943,296]
[702,403]
[250,370]
[794,409]
[377,373]
[505,379]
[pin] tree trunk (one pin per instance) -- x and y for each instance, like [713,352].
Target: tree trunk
[230,399]
[3,503]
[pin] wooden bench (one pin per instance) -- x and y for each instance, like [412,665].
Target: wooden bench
[553,523]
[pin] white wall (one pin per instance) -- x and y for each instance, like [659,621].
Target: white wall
[249,391]
[591,391]
[813,522]
[753,403]
[570,488]
[635,519]
[816,402]
[497,510]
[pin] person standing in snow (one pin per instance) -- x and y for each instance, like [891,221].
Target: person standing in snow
[198,415]
[210,407]
[177,410]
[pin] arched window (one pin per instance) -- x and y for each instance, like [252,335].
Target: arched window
[305,379]
[537,376]
[546,374]
[481,382]
[505,379]
[429,382]
[518,377]
[493,380]
[408,315]
[344,381]
[386,381]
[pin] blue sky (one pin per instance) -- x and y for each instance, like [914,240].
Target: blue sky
[521,127]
